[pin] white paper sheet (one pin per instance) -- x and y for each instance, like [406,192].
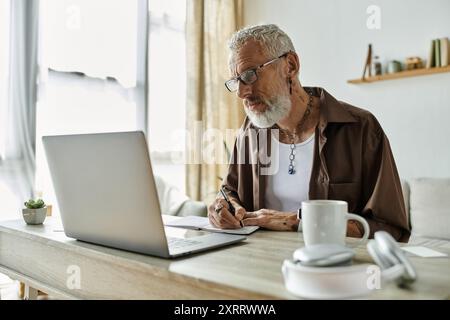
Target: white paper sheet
[424,252]
[202,223]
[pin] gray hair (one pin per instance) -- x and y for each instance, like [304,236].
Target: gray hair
[272,38]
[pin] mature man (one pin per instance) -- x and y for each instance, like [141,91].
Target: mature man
[321,148]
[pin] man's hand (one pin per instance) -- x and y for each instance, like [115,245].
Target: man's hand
[220,217]
[272,220]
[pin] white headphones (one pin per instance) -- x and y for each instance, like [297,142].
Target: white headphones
[387,254]
[325,271]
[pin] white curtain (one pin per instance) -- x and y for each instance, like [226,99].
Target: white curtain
[19,155]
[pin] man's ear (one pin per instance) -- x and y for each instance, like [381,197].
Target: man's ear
[293,64]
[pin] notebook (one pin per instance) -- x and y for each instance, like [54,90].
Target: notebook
[202,223]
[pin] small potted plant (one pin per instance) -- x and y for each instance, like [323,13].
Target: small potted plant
[35,211]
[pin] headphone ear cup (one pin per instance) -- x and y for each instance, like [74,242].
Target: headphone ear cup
[410,274]
[377,255]
[387,247]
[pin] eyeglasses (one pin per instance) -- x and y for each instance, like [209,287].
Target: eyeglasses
[248,76]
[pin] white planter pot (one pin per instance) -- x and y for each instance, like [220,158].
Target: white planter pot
[34,216]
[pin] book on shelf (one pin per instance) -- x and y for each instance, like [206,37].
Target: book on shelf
[444,51]
[431,55]
[437,53]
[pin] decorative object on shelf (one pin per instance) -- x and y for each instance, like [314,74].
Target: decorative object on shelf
[412,63]
[49,209]
[377,67]
[439,53]
[394,66]
[367,66]
[35,211]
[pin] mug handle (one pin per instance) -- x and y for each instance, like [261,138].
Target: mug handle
[351,216]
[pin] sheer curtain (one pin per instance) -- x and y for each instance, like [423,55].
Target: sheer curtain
[210,107]
[4,71]
[18,163]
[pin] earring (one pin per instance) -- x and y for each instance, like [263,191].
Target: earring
[290,86]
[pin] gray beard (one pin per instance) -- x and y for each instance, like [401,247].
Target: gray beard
[278,108]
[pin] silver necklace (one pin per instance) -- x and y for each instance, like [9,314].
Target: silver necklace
[291,168]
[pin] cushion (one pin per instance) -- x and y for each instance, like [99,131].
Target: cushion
[429,203]
[170,198]
[193,208]
[405,191]
[175,203]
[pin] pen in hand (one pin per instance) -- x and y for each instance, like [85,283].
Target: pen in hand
[230,205]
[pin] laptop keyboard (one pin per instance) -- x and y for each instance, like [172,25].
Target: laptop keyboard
[177,243]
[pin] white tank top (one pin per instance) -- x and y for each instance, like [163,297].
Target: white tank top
[284,191]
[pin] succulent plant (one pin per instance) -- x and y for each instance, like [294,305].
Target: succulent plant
[35,204]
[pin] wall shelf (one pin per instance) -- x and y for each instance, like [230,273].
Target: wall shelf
[401,74]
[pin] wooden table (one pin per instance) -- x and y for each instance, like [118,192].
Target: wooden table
[45,259]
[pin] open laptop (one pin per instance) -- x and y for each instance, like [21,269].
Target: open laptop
[106,194]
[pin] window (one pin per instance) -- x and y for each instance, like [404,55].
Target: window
[89,72]
[92,76]
[167,88]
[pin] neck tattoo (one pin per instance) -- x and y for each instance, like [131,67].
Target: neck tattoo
[293,136]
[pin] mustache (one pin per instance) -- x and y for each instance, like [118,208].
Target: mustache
[254,99]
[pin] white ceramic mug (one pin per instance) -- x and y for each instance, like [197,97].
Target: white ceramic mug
[325,221]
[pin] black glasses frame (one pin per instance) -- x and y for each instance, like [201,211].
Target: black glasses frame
[230,84]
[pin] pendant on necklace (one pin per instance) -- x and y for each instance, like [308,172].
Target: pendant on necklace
[291,170]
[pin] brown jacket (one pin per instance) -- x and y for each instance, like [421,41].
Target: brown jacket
[352,161]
